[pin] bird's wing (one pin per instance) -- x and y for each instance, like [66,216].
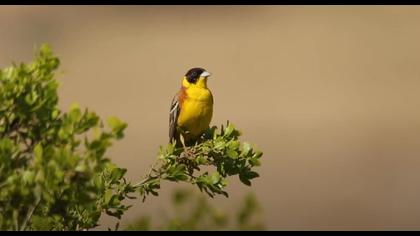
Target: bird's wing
[173,116]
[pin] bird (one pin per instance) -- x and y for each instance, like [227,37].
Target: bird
[191,108]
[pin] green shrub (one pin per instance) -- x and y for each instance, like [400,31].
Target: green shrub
[54,172]
[192,211]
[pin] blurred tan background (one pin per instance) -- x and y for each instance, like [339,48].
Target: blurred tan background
[329,93]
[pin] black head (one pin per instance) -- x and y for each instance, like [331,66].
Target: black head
[193,74]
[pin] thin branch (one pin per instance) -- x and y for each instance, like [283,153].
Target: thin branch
[144,181]
[30,213]
[17,223]
[149,176]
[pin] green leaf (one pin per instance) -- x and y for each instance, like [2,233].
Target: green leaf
[74,107]
[215,178]
[115,123]
[200,160]
[118,173]
[117,126]
[38,152]
[82,167]
[257,154]
[244,180]
[252,175]
[45,50]
[246,147]
[219,145]
[254,162]
[232,154]
[75,114]
[28,176]
[234,144]
[229,129]
[108,196]
[55,114]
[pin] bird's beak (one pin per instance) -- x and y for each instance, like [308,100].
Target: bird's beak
[205,74]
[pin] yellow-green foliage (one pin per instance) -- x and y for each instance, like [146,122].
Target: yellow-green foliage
[193,211]
[54,174]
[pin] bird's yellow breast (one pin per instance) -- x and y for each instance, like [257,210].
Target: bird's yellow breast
[196,111]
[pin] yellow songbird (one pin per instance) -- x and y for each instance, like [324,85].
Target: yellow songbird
[191,108]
